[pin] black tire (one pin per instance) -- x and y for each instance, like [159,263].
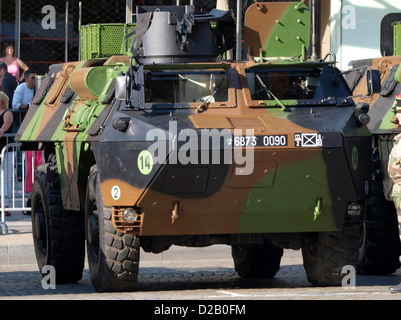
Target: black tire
[257,261]
[380,247]
[113,257]
[326,253]
[58,234]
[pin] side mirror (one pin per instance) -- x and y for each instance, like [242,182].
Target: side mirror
[373,81]
[122,85]
[356,81]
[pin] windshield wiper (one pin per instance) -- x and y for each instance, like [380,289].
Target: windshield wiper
[269,93]
[207,101]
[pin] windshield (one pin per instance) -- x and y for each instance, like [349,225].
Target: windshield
[285,85]
[185,86]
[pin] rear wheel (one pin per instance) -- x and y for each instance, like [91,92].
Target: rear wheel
[325,254]
[113,257]
[257,261]
[58,234]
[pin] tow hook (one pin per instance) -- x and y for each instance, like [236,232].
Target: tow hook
[176,211]
[318,209]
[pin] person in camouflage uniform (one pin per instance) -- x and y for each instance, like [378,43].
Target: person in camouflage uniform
[394,170]
[394,163]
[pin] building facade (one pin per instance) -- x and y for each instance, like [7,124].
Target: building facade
[356,28]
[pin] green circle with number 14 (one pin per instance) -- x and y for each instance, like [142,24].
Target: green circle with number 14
[145,162]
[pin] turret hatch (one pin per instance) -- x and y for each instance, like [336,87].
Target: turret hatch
[277,29]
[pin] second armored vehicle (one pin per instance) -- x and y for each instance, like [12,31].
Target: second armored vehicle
[381,247]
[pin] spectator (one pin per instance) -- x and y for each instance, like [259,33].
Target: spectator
[23,96]
[13,64]
[6,121]
[9,83]
[24,93]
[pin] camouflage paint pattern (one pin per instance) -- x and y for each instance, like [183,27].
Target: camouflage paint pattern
[303,185]
[380,103]
[270,37]
[382,108]
[394,170]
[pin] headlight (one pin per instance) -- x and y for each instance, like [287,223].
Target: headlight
[130,215]
[364,119]
[354,209]
[361,113]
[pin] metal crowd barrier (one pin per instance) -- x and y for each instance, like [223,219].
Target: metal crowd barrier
[12,157]
[13,180]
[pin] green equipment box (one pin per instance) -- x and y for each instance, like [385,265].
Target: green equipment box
[105,40]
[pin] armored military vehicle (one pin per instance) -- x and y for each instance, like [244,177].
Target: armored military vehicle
[381,248]
[169,145]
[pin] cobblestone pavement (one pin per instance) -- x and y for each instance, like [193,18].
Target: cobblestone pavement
[213,279]
[179,274]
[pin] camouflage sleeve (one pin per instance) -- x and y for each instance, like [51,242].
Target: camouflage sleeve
[394,169]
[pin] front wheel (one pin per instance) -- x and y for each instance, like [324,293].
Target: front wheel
[326,253]
[113,257]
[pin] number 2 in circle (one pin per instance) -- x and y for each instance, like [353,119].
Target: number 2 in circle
[116,192]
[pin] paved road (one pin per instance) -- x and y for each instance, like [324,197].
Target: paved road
[213,280]
[193,277]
